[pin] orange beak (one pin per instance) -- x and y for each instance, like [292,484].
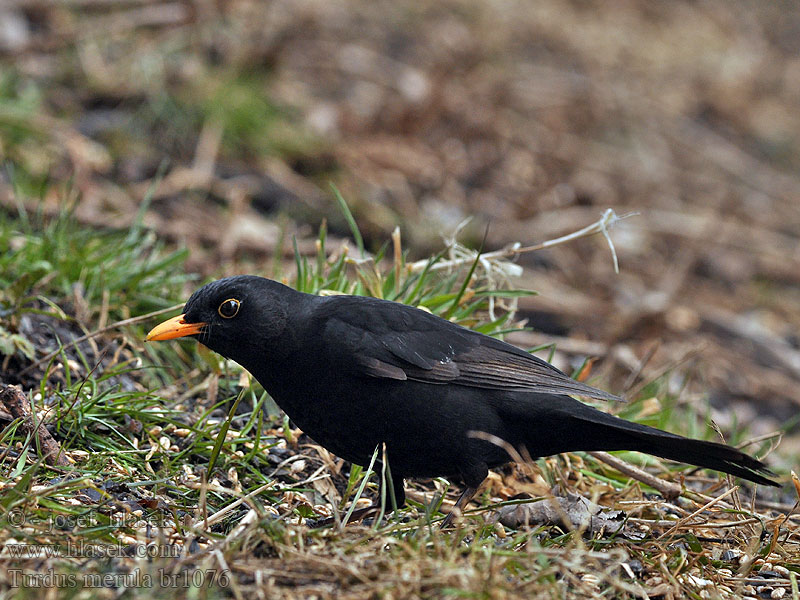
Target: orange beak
[174,328]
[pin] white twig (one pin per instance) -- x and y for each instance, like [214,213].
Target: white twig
[602,225]
[496,268]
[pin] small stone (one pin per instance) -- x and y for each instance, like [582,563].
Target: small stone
[725,572]
[771,574]
[724,589]
[297,466]
[781,571]
[636,566]
[731,555]
[323,510]
[699,581]
[590,579]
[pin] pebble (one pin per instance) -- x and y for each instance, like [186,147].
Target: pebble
[590,579]
[636,566]
[782,571]
[297,466]
[730,555]
[699,581]
[769,574]
[774,557]
[323,510]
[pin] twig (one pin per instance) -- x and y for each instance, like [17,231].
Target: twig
[703,508]
[602,225]
[720,525]
[636,373]
[17,404]
[667,489]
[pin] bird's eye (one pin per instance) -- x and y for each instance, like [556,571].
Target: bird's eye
[229,308]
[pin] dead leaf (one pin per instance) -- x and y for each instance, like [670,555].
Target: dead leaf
[572,511]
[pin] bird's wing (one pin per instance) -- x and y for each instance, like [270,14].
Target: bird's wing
[393,341]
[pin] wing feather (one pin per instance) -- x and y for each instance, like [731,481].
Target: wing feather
[394,341]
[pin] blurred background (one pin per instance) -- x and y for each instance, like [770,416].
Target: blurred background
[235,117]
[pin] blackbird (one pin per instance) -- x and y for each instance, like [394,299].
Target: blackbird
[355,372]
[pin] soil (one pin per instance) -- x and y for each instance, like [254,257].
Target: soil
[531,117]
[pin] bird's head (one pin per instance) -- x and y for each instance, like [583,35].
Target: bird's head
[236,316]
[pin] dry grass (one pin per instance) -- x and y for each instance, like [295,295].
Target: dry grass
[234,117]
[163,491]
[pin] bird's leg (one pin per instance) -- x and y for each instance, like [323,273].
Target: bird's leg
[396,497]
[467,495]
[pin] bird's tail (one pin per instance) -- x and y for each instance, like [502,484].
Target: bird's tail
[591,429]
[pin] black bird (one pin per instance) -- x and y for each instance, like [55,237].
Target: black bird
[355,372]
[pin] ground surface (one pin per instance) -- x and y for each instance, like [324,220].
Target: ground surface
[234,118]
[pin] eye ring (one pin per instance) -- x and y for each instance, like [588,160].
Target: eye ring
[229,308]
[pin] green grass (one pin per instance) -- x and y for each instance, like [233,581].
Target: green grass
[24,139]
[165,437]
[43,258]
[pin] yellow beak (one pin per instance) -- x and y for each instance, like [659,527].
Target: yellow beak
[174,328]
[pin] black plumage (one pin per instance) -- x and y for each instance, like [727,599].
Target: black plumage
[355,372]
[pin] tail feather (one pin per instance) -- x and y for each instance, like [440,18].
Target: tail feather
[624,435]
